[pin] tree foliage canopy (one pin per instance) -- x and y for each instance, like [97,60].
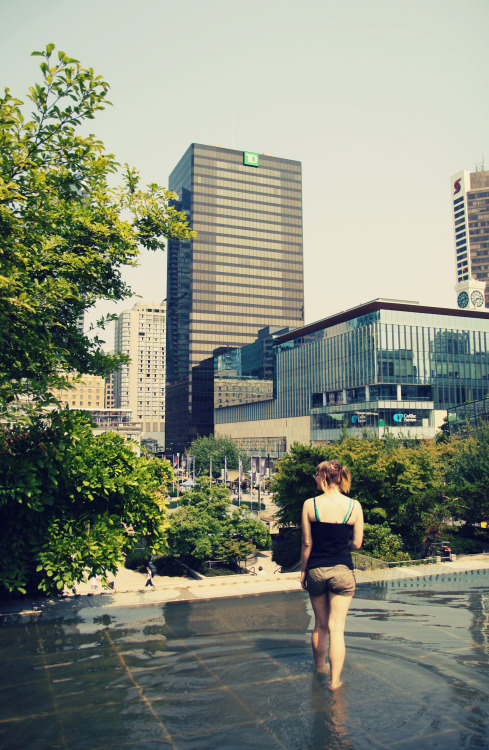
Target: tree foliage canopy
[69,225]
[467,475]
[216,448]
[204,529]
[72,503]
[380,542]
[394,482]
[65,232]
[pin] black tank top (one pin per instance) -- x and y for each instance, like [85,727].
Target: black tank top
[331,542]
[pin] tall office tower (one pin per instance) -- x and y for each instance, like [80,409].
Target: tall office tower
[243,272]
[470,195]
[140,385]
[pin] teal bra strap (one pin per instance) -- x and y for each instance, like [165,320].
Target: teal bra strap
[348,512]
[316,511]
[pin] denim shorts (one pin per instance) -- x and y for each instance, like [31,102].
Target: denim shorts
[338,579]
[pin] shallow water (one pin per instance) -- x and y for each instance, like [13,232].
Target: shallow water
[237,673]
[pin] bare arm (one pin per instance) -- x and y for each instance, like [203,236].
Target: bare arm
[306,543]
[357,540]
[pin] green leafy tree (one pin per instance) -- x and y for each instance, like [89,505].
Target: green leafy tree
[69,225]
[150,446]
[204,529]
[395,483]
[467,475]
[443,434]
[380,542]
[216,448]
[293,482]
[65,232]
[72,503]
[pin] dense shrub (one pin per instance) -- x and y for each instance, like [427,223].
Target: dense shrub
[136,559]
[221,571]
[169,566]
[203,528]
[71,502]
[286,551]
[380,542]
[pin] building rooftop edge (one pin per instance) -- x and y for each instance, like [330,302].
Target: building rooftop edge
[378,304]
[242,150]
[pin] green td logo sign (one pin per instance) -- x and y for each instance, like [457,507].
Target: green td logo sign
[251,159]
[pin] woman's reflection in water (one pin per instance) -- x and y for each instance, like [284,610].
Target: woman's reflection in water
[329,727]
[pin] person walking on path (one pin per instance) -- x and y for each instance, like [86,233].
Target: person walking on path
[332,525]
[150,571]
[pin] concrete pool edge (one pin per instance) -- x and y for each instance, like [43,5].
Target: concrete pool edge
[227,586]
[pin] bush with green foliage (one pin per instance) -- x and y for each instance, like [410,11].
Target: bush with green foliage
[396,481]
[381,543]
[165,566]
[205,528]
[72,503]
[467,475]
[247,504]
[287,549]
[219,571]
[136,559]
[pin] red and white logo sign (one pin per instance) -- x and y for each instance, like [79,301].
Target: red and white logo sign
[456,186]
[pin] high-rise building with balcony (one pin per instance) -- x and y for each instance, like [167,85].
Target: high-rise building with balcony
[470,202]
[243,272]
[140,385]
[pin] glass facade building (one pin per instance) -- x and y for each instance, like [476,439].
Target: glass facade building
[384,365]
[464,419]
[244,271]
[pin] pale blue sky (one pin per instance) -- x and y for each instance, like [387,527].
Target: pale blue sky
[381,100]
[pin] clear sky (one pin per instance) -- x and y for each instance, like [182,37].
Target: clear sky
[381,100]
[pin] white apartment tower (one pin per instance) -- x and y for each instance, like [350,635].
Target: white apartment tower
[140,385]
[470,203]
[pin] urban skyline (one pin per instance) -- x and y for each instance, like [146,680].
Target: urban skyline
[368,96]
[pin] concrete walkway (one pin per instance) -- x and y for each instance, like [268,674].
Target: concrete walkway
[130,586]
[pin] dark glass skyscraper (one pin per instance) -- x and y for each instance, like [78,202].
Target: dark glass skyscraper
[243,272]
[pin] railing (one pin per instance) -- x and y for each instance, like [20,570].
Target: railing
[364,562]
[214,563]
[412,563]
[243,565]
[247,562]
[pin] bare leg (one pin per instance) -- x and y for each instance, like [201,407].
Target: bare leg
[319,638]
[338,609]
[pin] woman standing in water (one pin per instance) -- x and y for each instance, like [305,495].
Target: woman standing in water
[332,526]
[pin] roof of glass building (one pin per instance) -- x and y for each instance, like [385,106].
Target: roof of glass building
[368,310]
